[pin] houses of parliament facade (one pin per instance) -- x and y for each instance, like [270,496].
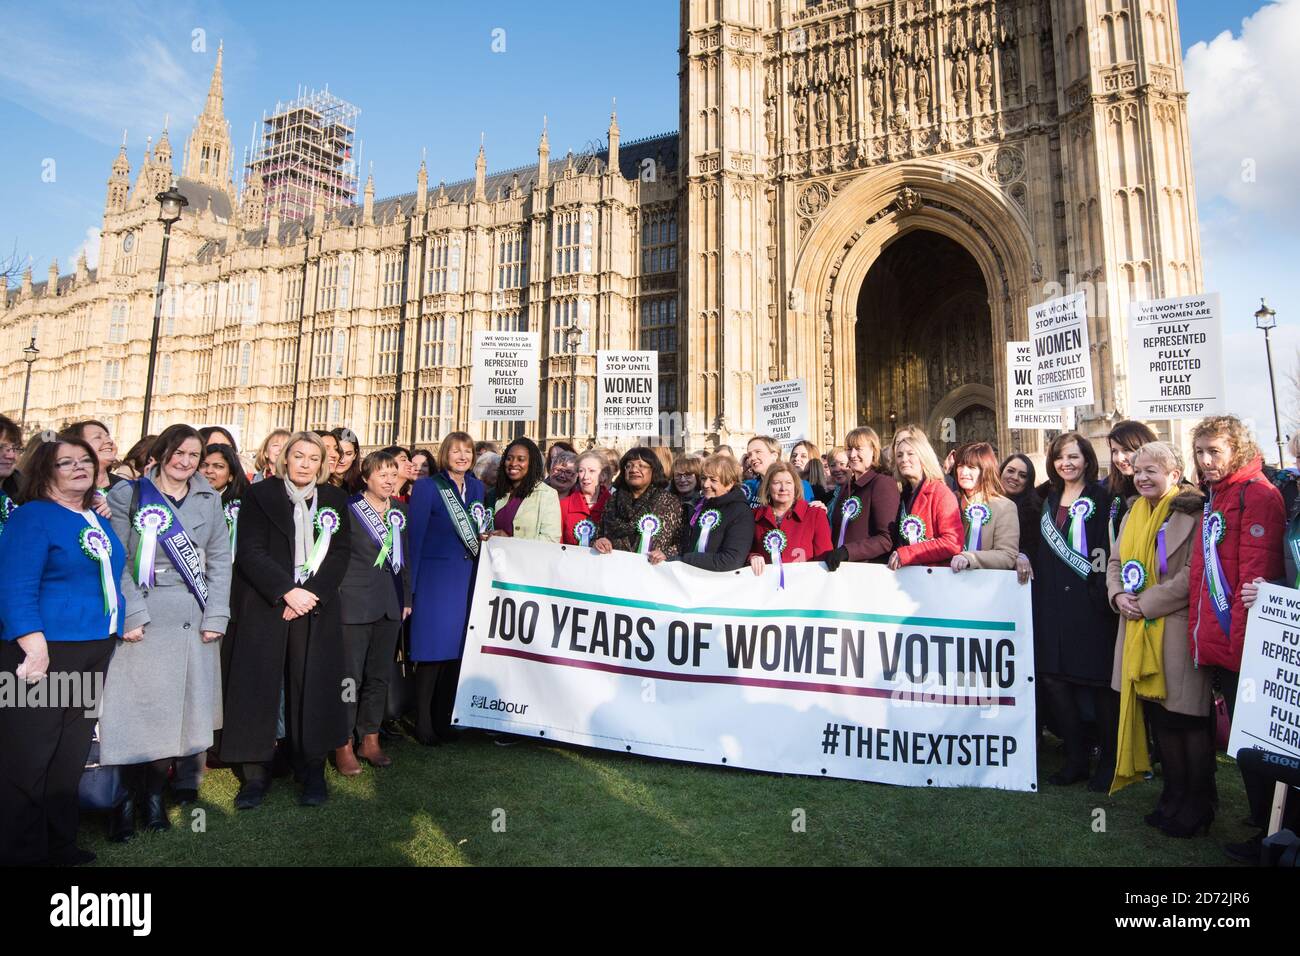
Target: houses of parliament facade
[867,195]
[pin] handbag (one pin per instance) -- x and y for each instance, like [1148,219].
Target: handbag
[100,788]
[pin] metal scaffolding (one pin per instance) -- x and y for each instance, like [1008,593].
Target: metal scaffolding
[305,153]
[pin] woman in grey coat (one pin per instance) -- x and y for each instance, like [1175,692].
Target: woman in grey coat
[162,695]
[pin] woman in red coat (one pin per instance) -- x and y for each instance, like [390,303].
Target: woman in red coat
[929,521]
[1240,541]
[802,532]
[585,503]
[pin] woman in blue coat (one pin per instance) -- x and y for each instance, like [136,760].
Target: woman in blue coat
[60,606]
[445,532]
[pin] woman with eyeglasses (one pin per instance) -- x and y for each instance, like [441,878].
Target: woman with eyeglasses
[60,608]
[643,515]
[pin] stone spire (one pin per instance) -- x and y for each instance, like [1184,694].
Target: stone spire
[368,207]
[543,158]
[207,152]
[252,207]
[119,181]
[25,292]
[480,172]
[52,280]
[83,271]
[421,187]
[613,137]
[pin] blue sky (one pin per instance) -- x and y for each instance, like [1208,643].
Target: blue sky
[73,75]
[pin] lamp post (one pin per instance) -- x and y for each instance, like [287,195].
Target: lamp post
[29,356]
[573,338]
[1266,319]
[170,204]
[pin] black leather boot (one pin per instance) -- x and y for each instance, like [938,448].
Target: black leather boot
[314,792]
[121,822]
[155,806]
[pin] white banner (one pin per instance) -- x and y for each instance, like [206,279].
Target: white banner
[1175,358]
[919,677]
[504,386]
[783,411]
[1267,715]
[1058,333]
[627,393]
[1021,412]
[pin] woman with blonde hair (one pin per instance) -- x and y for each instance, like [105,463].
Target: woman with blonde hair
[268,453]
[718,533]
[992,526]
[290,559]
[929,527]
[1147,582]
[865,512]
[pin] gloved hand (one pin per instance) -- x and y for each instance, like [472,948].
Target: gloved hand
[837,557]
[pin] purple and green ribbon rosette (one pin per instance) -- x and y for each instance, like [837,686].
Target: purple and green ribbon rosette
[231,511]
[708,521]
[1080,511]
[394,522]
[649,526]
[1133,575]
[482,516]
[977,515]
[584,531]
[912,528]
[327,524]
[852,508]
[149,522]
[97,547]
[774,543]
[1213,528]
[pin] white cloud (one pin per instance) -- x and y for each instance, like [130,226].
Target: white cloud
[90,245]
[101,69]
[1247,143]
[1238,86]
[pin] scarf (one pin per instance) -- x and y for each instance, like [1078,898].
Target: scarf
[1144,648]
[304,509]
[623,513]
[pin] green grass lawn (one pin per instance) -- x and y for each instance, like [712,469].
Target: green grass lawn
[567,806]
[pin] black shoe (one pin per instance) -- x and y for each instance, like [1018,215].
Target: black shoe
[1178,828]
[391,730]
[1248,852]
[250,796]
[121,821]
[155,813]
[185,796]
[1156,818]
[314,792]
[74,856]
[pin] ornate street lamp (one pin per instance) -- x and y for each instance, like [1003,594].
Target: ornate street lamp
[170,204]
[30,355]
[1266,319]
[573,338]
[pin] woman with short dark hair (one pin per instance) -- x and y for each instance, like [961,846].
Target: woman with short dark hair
[1124,439]
[1074,624]
[374,600]
[1019,478]
[291,558]
[60,608]
[162,701]
[643,515]
[347,472]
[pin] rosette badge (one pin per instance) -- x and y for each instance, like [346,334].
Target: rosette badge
[774,543]
[649,526]
[482,516]
[584,531]
[852,508]
[912,528]
[394,522]
[708,521]
[97,547]
[977,515]
[1080,511]
[327,524]
[1133,575]
[231,511]
[149,523]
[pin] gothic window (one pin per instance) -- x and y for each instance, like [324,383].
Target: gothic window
[569,242]
[386,363]
[288,358]
[392,280]
[444,265]
[659,240]
[165,374]
[245,362]
[292,307]
[512,253]
[345,282]
[322,350]
[659,324]
[117,322]
[112,380]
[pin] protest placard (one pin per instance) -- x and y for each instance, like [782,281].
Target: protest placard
[627,393]
[1175,358]
[504,385]
[1058,334]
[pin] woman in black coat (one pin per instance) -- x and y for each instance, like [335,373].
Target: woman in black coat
[291,557]
[1074,624]
[718,534]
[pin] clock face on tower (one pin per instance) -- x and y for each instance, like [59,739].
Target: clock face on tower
[128,242]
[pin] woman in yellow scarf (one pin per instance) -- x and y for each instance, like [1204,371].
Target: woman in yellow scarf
[1154,672]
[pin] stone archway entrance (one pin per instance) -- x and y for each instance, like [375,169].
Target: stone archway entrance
[924,341]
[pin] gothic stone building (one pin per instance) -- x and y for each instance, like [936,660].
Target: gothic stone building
[865,194]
